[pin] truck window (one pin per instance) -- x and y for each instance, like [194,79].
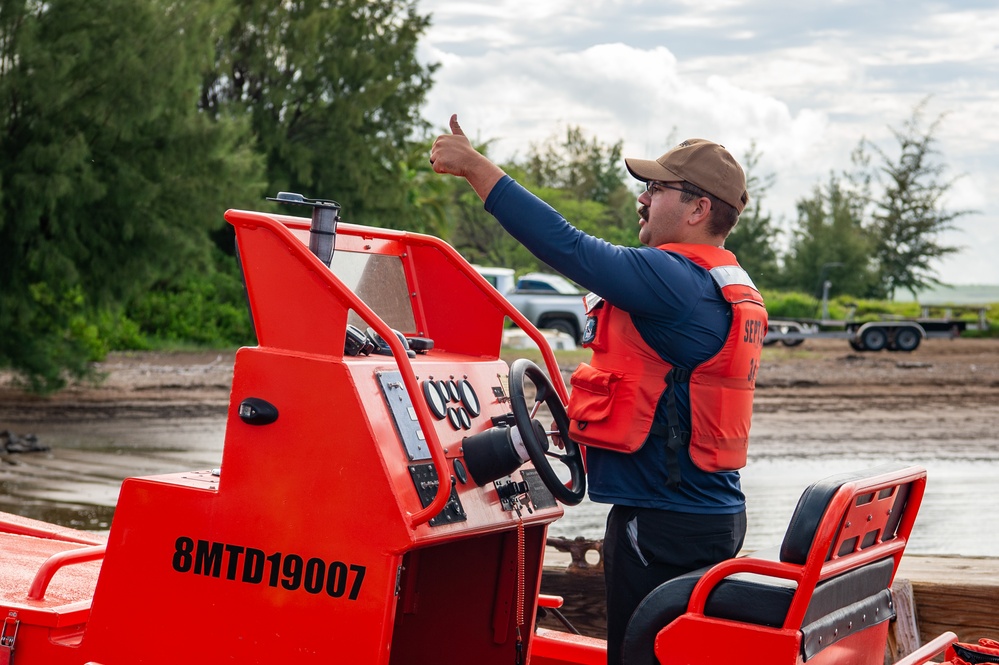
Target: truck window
[535,285]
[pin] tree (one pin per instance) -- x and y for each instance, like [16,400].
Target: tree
[585,181]
[909,217]
[755,239]
[333,90]
[109,176]
[829,242]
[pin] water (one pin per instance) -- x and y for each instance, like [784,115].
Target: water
[958,515]
[76,482]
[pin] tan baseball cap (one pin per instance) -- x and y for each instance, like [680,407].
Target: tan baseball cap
[703,163]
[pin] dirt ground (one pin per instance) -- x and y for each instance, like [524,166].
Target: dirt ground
[818,374]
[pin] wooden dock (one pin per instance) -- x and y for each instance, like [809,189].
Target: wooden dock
[960,594]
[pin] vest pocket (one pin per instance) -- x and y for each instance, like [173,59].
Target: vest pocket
[592,394]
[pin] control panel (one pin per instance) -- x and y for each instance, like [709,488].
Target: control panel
[452,397]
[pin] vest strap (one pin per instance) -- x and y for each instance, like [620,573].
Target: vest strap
[675,438]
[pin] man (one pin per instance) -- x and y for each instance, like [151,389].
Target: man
[676,329]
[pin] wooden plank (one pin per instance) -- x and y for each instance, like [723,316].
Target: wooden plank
[903,635]
[954,593]
[584,606]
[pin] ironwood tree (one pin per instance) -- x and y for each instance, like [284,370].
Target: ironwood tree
[333,91]
[109,176]
[909,215]
[829,241]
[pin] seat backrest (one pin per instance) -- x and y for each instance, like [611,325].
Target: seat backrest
[867,515]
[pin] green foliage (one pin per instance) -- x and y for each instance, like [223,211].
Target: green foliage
[333,91]
[830,243]
[109,176]
[128,126]
[47,361]
[790,304]
[802,306]
[207,309]
[585,181]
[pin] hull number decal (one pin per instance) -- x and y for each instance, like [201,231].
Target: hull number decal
[253,566]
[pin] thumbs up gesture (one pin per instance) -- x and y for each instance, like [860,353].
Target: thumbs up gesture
[453,154]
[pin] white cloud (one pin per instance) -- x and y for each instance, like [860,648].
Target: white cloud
[805,82]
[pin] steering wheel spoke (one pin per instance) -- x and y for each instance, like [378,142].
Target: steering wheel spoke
[535,409]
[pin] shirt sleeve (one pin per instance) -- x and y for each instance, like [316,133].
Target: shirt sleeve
[640,280]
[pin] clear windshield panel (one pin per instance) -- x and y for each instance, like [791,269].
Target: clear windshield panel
[380,281]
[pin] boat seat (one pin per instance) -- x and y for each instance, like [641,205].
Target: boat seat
[823,592]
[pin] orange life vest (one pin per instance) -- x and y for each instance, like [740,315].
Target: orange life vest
[614,398]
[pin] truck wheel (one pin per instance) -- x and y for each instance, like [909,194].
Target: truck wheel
[874,339]
[562,325]
[907,339]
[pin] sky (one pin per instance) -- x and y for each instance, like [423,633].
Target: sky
[804,81]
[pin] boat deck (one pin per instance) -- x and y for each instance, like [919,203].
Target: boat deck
[65,598]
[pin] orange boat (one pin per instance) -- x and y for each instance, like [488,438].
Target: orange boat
[384,496]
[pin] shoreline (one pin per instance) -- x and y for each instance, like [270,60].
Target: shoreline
[153,383]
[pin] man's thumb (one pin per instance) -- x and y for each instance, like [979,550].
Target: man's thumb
[455,127]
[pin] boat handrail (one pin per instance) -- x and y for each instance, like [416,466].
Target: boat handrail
[57,561]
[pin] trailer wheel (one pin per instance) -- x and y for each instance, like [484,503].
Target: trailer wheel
[874,339]
[857,345]
[907,339]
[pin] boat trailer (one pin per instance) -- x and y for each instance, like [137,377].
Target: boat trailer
[384,494]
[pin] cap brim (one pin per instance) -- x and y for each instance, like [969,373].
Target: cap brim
[650,169]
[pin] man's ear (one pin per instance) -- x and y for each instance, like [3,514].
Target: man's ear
[701,211]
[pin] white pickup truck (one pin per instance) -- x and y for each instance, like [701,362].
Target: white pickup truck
[548,301]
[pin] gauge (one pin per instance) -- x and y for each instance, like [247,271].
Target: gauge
[463,417]
[436,402]
[459,470]
[469,398]
[445,393]
[452,387]
[454,418]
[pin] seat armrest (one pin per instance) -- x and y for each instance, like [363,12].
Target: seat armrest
[928,650]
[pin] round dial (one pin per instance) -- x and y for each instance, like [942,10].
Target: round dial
[436,401]
[469,398]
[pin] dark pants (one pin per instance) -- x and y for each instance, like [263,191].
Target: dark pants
[644,547]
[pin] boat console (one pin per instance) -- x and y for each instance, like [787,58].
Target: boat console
[385,485]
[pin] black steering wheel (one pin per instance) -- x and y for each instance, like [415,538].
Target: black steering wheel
[536,437]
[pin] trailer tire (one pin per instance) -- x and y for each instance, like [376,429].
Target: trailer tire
[857,345]
[874,339]
[906,339]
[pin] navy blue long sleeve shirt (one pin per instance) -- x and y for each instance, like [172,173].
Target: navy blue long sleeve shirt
[679,312]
